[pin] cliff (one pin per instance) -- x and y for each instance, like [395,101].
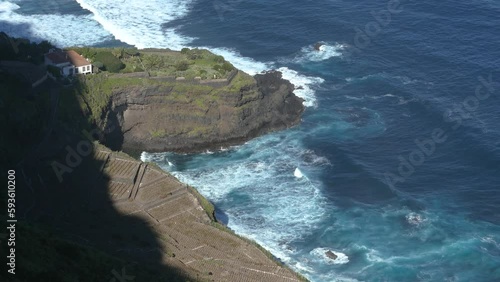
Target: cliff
[89,213]
[187,116]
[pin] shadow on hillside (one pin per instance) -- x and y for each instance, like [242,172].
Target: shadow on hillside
[74,206]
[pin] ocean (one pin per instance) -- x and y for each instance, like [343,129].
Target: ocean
[395,166]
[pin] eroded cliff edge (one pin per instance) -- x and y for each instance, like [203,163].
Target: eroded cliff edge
[155,114]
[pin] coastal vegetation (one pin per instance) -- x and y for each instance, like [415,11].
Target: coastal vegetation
[188,63]
[46,124]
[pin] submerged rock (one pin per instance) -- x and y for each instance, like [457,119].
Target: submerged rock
[331,255]
[318,46]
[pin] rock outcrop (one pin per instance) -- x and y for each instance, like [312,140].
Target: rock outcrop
[190,117]
[331,255]
[318,46]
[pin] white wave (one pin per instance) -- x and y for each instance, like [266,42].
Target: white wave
[139,23]
[353,98]
[241,182]
[297,173]
[302,267]
[145,157]
[490,240]
[415,219]
[243,63]
[401,79]
[373,255]
[303,85]
[310,158]
[325,52]
[321,253]
[383,96]
[61,30]
[354,79]
[405,80]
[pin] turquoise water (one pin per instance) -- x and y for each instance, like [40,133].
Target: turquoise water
[396,164]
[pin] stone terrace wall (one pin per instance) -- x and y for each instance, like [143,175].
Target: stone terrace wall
[216,83]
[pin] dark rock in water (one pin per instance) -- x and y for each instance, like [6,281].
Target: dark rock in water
[331,255]
[299,88]
[318,45]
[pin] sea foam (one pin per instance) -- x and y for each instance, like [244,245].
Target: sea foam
[321,253]
[140,23]
[325,52]
[304,85]
[61,30]
[297,173]
[241,182]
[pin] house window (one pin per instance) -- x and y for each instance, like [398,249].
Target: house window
[88,68]
[76,70]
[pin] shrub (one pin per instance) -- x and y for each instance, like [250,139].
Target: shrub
[109,61]
[181,66]
[217,68]
[55,71]
[219,59]
[194,54]
[98,65]
[184,50]
[153,62]
[226,66]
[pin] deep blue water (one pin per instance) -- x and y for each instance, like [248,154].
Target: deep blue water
[396,164]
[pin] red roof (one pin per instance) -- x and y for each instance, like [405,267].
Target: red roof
[70,56]
[58,57]
[76,59]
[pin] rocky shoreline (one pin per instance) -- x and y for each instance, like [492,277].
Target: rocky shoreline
[154,118]
[72,186]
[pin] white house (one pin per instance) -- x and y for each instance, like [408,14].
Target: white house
[69,62]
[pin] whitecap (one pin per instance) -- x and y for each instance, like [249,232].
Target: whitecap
[140,23]
[325,52]
[304,268]
[415,219]
[243,63]
[61,30]
[297,173]
[241,183]
[306,84]
[490,240]
[145,157]
[353,98]
[321,253]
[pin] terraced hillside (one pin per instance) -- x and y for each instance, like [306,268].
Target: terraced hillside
[189,238]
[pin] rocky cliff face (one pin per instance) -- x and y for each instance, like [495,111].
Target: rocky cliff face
[192,118]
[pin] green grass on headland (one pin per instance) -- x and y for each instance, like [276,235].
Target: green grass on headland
[188,63]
